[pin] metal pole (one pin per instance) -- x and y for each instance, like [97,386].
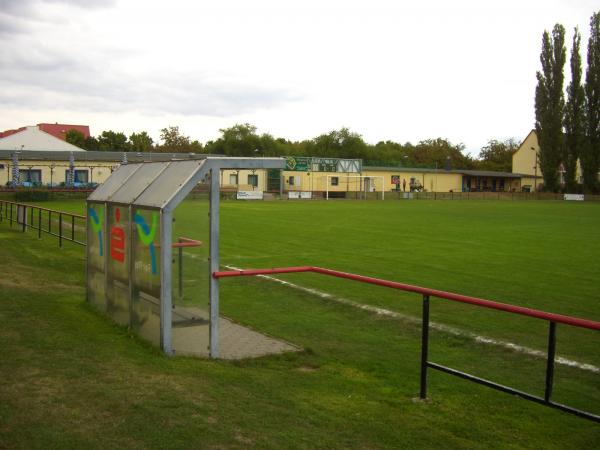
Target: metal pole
[424,347]
[24,217]
[49,222]
[130,258]
[105,250]
[60,229]
[31,218]
[550,361]
[11,214]
[73,228]
[165,281]
[39,223]
[214,263]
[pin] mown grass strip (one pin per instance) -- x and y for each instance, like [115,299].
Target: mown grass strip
[70,378]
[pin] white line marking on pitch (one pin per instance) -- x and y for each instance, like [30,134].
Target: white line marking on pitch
[434,325]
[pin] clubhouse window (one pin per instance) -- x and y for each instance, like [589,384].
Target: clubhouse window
[80,176]
[30,176]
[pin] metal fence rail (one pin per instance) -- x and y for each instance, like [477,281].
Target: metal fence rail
[483,195]
[63,225]
[70,227]
[552,318]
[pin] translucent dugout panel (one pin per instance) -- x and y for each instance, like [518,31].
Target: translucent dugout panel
[135,185]
[113,183]
[146,275]
[168,183]
[96,254]
[190,279]
[118,263]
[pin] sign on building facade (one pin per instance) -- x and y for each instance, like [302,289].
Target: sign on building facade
[309,164]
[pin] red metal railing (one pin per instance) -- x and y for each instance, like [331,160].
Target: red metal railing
[184,242]
[552,318]
[558,318]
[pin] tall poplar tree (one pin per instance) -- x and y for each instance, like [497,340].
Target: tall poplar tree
[590,159]
[550,104]
[575,128]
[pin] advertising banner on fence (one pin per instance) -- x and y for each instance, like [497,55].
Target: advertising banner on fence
[576,197]
[298,194]
[249,195]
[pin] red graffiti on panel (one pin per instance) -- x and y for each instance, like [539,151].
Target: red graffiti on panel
[117,240]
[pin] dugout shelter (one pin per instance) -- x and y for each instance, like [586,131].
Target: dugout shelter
[129,251]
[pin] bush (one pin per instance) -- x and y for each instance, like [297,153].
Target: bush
[32,196]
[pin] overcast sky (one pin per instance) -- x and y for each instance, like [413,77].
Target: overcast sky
[405,71]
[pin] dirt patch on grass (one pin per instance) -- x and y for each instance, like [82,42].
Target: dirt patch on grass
[11,283]
[238,436]
[17,276]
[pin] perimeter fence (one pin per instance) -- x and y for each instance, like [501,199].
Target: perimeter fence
[70,227]
[507,196]
[63,225]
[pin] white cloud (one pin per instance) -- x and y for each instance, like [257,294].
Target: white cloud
[464,70]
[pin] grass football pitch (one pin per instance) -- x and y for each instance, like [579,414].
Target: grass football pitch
[354,384]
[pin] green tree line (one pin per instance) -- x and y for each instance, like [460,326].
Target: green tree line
[244,140]
[113,141]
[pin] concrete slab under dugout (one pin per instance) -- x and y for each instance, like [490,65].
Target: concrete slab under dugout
[236,341]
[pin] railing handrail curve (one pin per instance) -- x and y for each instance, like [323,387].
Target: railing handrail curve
[521,310]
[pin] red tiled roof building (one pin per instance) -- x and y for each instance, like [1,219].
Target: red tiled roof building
[7,133]
[58,130]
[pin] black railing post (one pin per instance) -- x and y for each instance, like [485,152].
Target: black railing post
[424,347]
[23,218]
[31,217]
[550,361]
[39,223]
[11,214]
[60,229]
[49,222]
[73,228]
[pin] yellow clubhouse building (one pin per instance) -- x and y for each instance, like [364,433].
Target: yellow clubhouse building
[303,177]
[319,176]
